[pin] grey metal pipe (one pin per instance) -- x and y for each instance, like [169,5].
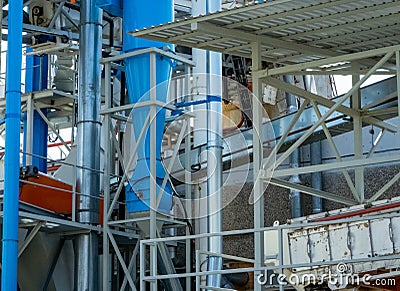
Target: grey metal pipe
[88,144]
[294,159]
[214,156]
[295,196]
[315,152]
[316,178]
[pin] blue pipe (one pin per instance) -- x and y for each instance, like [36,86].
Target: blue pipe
[137,15]
[36,80]
[11,174]
[209,98]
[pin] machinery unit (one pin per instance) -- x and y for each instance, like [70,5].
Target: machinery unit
[139,86]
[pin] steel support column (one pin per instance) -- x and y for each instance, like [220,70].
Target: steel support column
[106,180]
[357,130]
[153,166]
[188,185]
[257,163]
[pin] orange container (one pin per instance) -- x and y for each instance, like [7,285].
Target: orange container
[51,194]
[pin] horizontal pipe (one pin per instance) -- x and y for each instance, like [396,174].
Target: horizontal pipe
[59,144]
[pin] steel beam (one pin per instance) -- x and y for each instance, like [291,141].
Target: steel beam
[56,15]
[382,191]
[131,160]
[171,163]
[121,261]
[53,264]
[292,89]
[314,192]
[51,127]
[375,143]
[336,166]
[131,266]
[153,166]
[30,237]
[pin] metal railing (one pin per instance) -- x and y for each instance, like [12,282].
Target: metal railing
[278,267]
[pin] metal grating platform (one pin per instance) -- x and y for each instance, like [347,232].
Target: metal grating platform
[290,31]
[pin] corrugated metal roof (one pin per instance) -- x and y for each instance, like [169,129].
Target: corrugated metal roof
[290,31]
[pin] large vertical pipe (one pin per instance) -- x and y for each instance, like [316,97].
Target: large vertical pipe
[315,149]
[207,81]
[11,175]
[295,196]
[88,144]
[258,196]
[200,124]
[136,15]
[316,178]
[294,160]
[214,156]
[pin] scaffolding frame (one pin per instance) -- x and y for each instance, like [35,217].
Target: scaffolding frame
[289,34]
[109,113]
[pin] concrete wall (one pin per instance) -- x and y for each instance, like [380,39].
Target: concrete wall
[239,213]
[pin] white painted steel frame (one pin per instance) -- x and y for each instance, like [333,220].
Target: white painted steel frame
[302,37]
[198,273]
[110,112]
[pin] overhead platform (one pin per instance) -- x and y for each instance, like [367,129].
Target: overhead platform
[289,32]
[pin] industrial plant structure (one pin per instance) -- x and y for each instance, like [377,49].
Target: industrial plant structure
[200,145]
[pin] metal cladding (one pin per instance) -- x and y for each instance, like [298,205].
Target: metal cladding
[136,16]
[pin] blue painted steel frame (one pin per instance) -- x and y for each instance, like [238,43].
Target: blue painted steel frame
[36,80]
[12,164]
